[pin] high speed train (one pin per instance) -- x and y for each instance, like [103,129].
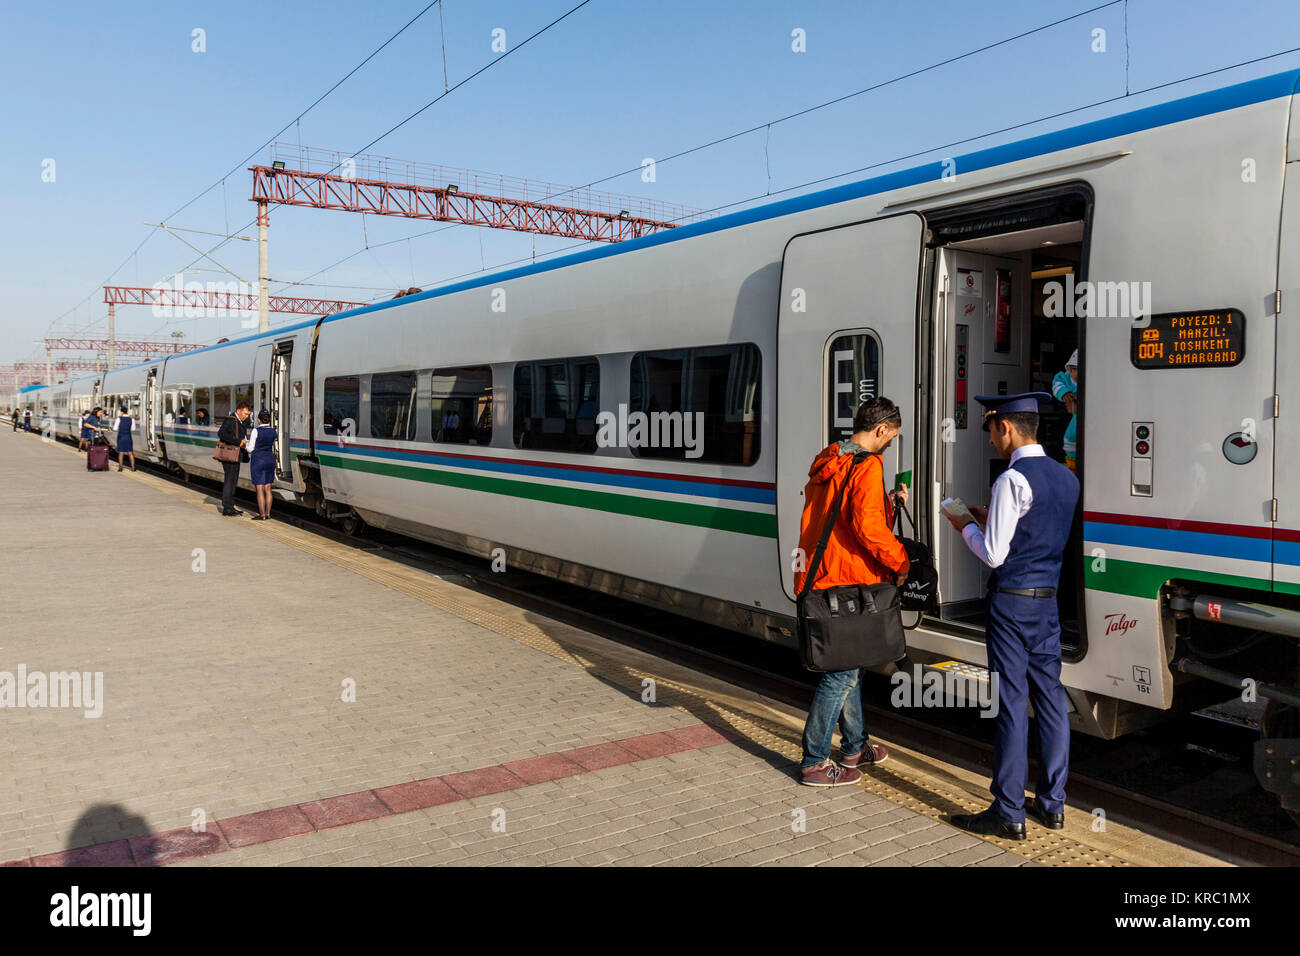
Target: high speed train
[640,418]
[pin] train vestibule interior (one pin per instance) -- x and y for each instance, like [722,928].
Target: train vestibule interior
[1002,332]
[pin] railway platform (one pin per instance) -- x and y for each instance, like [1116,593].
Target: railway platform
[252,693]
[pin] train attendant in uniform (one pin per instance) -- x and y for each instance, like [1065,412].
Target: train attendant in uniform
[125,444]
[1026,526]
[261,448]
[1065,389]
[861,550]
[233,431]
[84,438]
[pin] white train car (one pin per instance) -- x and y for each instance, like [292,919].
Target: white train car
[194,391]
[976,274]
[134,388]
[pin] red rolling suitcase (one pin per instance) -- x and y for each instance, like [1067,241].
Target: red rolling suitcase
[97,456]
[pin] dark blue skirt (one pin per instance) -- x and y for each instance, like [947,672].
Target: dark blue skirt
[125,444]
[262,470]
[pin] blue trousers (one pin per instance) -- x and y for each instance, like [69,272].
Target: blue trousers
[838,698]
[1024,649]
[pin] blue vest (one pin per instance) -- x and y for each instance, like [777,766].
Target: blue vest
[1034,558]
[264,450]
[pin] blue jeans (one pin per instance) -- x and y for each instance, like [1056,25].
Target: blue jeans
[838,698]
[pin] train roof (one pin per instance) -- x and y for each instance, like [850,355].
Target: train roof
[1149,117]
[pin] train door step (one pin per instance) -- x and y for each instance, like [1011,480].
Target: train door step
[962,683]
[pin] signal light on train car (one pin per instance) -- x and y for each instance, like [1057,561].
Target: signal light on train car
[1143,432]
[1143,448]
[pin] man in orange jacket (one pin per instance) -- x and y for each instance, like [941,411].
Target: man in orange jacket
[861,550]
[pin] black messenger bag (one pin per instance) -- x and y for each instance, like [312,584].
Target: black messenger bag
[851,625]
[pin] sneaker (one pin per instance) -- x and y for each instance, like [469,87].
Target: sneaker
[829,774]
[870,755]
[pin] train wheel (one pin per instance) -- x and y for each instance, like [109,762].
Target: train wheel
[1281,721]
[352,525]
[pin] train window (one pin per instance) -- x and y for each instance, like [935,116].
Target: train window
[244,393]
[169,408]
[853,376]
[461,407]
[556,402]
[202,406]
[392,405]
[184,404]
[342,404]
[698,404]
[220,403]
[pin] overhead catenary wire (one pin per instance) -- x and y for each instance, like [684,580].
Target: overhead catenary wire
[240,164]
[767,126]
[489,65]
[903,158]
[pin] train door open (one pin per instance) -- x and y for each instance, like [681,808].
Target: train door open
[152,395]
[1002,274]
[273,384]
[846,331]
[281,402]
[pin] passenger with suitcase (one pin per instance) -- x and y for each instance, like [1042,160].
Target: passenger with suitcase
[845,539]
[97,453]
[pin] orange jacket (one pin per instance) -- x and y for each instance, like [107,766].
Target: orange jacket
[861,548]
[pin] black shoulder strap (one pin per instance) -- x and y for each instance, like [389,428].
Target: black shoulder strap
[815,566]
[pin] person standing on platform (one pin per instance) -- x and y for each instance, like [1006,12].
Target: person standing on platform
[90,426]
[27,419]
[1026,526]
[233,431]
[261,447]
[15,416]
[861,550]
[1065,389]
[125,443]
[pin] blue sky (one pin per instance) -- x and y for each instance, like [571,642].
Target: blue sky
[138,123]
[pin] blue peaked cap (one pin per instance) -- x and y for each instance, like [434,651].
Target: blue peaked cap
[1005,404]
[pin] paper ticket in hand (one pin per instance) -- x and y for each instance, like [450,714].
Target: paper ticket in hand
[956,508]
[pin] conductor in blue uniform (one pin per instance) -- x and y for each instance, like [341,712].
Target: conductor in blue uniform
[1027,523]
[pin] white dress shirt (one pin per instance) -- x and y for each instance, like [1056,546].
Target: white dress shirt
[1008,503]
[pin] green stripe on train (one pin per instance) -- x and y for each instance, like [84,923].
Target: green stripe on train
[1144,580]
[678,512]
[187,440]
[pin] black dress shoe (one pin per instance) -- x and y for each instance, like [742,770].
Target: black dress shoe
[1053,821]
[988,823]
[231,513]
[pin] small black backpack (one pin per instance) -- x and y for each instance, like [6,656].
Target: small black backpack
[921,591]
